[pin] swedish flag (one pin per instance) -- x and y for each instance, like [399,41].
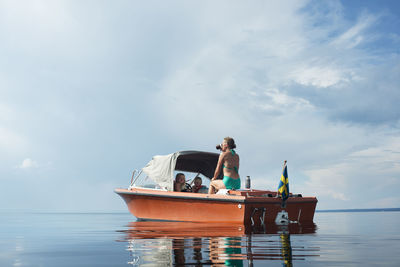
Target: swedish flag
[283,187]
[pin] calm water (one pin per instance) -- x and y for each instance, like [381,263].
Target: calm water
[67,239]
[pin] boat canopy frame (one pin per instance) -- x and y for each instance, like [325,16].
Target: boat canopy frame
[161,168]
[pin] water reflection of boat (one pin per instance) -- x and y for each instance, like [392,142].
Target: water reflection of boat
[186,243]
[156,229]
[239,206]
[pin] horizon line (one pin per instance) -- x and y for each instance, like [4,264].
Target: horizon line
[359,210]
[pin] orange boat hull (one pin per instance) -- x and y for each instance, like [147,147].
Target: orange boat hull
[254,206]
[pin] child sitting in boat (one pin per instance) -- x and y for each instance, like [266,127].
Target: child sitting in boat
[180,184]
[198,187]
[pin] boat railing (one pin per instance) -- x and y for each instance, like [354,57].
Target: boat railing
[147,186]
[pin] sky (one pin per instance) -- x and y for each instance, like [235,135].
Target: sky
[91,90]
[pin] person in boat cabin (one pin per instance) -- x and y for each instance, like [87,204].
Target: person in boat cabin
[228,162]
[198,187]
[180,184]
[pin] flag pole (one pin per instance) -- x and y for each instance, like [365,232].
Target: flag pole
[284,165]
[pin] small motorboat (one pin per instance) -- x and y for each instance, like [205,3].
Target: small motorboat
[158,201]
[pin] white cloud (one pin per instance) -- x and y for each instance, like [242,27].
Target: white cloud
[354,35]
[318,76]
[330,181]
[362,175]
[279,100]
[28,164]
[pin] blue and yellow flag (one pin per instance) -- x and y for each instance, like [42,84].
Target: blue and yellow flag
[286,249]
[283,187]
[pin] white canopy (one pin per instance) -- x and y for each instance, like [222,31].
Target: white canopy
[161,168]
